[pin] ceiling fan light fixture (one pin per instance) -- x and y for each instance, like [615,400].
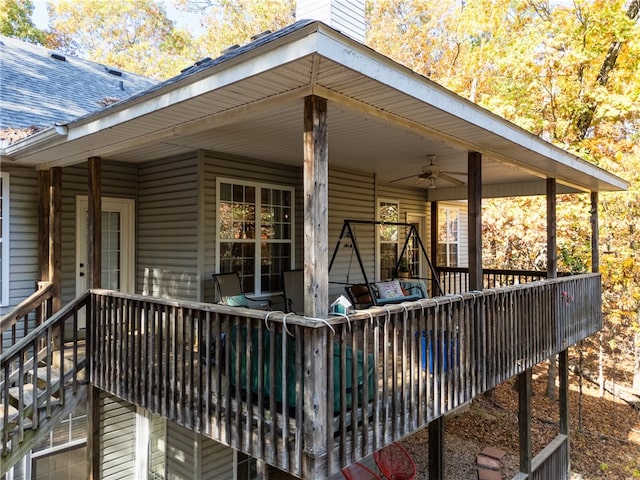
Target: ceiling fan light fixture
[432,182]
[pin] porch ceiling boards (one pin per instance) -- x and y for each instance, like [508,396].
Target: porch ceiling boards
[383,119]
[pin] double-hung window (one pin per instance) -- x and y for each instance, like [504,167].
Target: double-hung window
[255,232]
[448,224]
[4,239]
[388,214]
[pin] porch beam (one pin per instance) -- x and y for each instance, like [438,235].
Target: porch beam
[474,193]
[55,237]
[95,223]
[44,212]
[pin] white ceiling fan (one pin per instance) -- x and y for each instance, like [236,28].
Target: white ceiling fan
[433,172]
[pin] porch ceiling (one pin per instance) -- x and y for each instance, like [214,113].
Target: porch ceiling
[382,118]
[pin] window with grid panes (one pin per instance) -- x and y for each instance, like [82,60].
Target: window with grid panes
[388,211]
[255,232]
[448,223]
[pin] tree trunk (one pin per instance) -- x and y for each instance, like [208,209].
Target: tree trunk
[636,363]
[551,378]
[601,364]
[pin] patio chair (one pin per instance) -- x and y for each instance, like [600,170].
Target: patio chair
[395,462]
[358,471]
[229,292]
[293,291]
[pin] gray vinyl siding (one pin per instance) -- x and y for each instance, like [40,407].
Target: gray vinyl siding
[232,167]
[182,453]
[22,234]
[167,228]
[118,180]
[351,196]
[117,438]
[217,460]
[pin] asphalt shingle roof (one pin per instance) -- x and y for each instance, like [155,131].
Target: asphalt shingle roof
[38,90]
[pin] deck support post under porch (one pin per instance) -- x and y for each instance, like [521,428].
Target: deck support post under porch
[316,284]
[524,420]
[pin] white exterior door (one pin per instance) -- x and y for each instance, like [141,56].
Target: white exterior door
[118,237]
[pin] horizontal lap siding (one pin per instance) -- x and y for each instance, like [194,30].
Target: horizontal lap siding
[351,196]
[167,228]
[117,438]
[22,234]
[240,168]
[217,460]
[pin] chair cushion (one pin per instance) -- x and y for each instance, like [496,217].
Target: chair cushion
[235,301]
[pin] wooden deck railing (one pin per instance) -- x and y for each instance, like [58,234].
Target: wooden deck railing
[456,279]
[27,315]
[42,377]
[311,396]
[551,462]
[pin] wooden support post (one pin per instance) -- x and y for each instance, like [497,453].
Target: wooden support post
[552,254]
[595,234]
[434,247]
[55,237]
[563,373]
[94,281]
[524,420]
[95,224]
[316,285]
[316,199]
[436,449]
[474,186]
[44,213]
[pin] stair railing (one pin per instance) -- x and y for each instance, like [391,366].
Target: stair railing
[39,371]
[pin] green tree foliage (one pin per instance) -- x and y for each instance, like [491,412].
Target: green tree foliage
[15,21]
[135,35]
[234,22]
[566,71]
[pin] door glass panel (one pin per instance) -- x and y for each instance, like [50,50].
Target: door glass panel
[111,250]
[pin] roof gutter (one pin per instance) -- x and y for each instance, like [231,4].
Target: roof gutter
[40,141]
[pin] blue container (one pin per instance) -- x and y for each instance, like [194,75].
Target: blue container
[440,350]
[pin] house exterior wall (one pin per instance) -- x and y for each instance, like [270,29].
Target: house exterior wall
[117,438]
[167,228]
[23,234]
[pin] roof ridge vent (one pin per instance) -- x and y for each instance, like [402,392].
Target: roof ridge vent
[113,71]
[58,56]
[230,49]
[260,35]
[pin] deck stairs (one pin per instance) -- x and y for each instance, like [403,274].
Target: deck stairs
[43,372]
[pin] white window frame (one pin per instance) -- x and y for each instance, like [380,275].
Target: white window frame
[448,209]
[258,208]
[4,238]
[379,241]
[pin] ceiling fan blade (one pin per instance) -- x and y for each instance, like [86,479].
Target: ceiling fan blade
[451,179]
[448,172]
[403,178]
